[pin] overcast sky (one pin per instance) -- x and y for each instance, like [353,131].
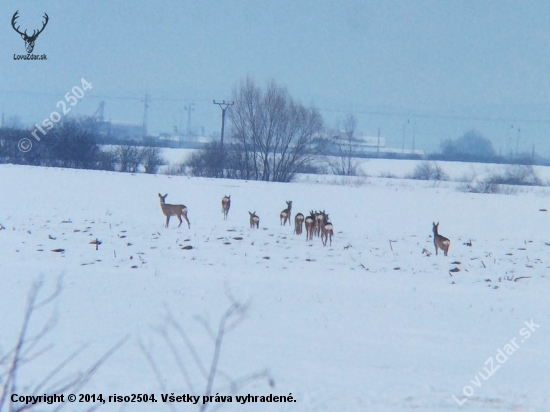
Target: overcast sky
[433,67]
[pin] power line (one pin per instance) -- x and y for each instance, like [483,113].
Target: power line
[369,112]
[58,94]
[145,107]
[438,116]
[105,96]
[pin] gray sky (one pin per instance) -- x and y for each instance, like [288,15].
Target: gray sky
[436,67]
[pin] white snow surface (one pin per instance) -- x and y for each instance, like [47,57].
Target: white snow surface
[370,323]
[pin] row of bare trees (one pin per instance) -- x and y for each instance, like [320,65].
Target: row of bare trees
[129,158]
[75,143]
[71,143]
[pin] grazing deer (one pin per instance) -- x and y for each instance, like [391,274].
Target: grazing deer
[310,225]
[285,214]
[254,220]
[173,210]
[298,221]
[226,204]
[440,242]
[326,231]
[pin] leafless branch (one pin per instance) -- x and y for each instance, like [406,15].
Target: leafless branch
[23,354]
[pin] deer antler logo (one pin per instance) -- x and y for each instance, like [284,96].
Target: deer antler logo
[29,40]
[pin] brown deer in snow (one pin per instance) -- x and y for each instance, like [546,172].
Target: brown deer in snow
[319,219]
[298,222]
[440,242]
[310,225]
[173,210]
[285,214]
[326,230]
[226,204]
[254,220]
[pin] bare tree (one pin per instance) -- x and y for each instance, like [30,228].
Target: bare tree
[28,347]
[273,136]
[11,153]
[151,158]
[345,162]
[208,162]
[429,171]
[128,158]
[209,372]
[107,160]
[72,143]
[471,146]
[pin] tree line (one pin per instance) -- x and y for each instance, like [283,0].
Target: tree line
[272,137]
[77,143]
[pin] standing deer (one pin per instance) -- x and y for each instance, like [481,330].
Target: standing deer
[319,219]
[298,221]
[310,225]
[29,40]
[440,242]
[254,220]
[326,230]
[285,214]
[173,210]
[226,204]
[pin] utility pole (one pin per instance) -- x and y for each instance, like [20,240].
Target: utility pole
[414,135]
[223,105]
[189,109]
[404,134]
[517,143]
[145,106]
[180,136]
[510,151]
[378,147]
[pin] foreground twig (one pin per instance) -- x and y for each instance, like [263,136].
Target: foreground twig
[23,354]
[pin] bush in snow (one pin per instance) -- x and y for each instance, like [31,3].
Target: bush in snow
[429,171]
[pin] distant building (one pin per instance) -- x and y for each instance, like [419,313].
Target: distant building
[366,145]
[123,131]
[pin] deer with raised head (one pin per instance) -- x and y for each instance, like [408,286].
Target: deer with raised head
[298,222]
[29,40]
[254,220]
[310,225]
[285,214]
[173,210]
[440,242]
[226,204]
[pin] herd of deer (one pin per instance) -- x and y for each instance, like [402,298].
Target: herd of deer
[316,223]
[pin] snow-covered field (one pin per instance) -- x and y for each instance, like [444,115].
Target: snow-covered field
[373,323]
